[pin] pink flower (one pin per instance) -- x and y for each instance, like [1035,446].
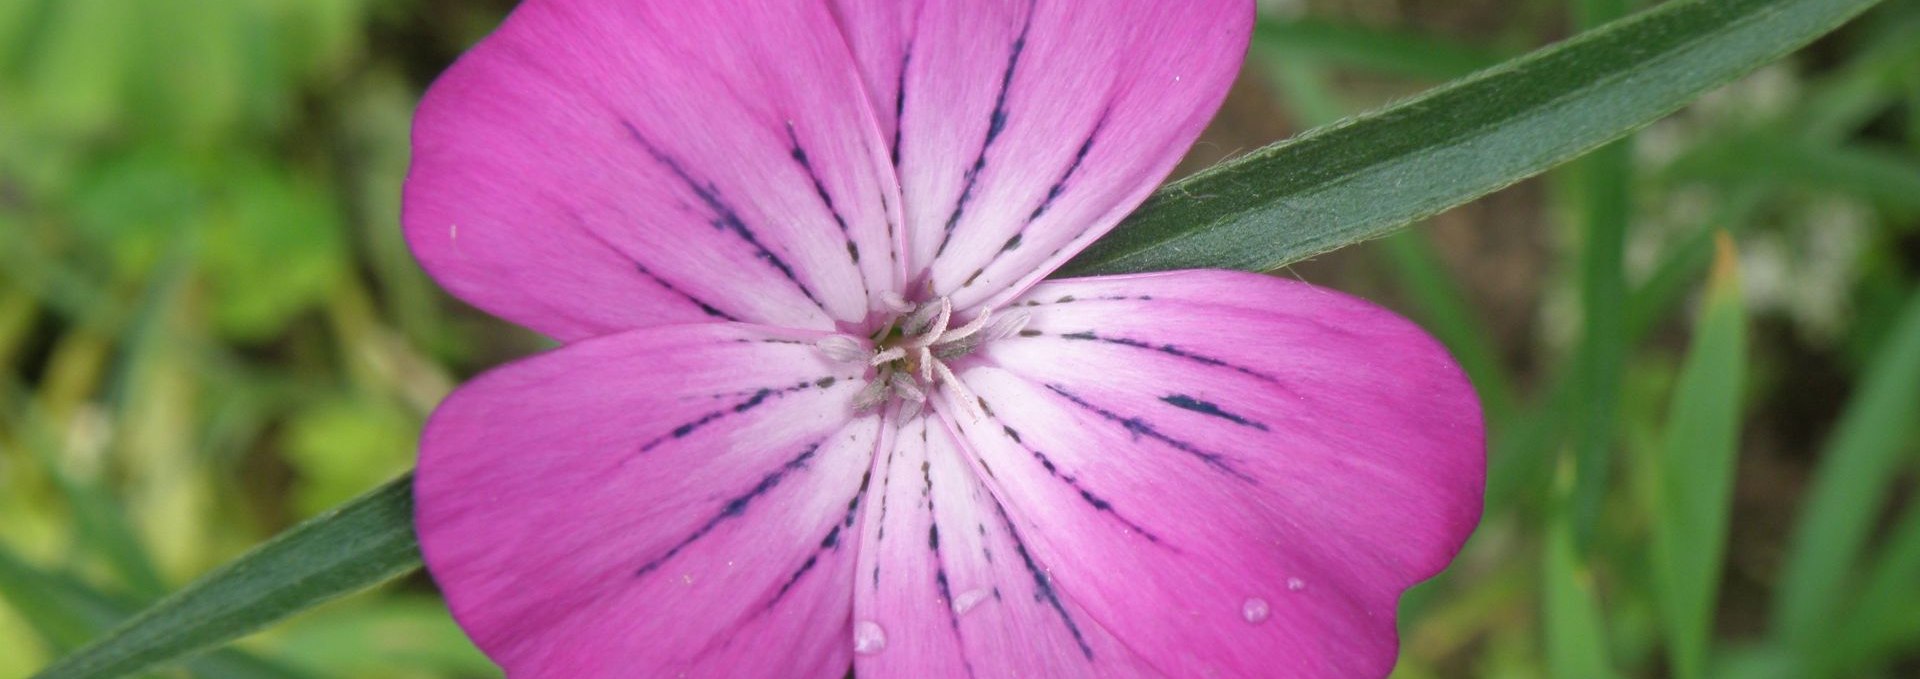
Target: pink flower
[817,409]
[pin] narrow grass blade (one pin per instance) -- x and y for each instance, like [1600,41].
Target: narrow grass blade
[99,520]
[1882,620]
[1851,485]
[1442,307]
[1605,195]
[1883,176]
[66,612]
[1381,51]
[1692,494]
[1606,208]
[1576,631]
[364,542]
[1365,177]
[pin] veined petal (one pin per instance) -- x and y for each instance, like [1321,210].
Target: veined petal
[599,165]
[1235,475]
[678,499]
[946,585]
[1024,129]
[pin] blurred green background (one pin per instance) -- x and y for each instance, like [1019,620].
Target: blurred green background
[211,329]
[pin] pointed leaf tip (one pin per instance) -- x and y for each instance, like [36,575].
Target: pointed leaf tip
[1725,279]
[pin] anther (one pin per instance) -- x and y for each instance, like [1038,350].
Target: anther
[960,392]
[906,389]
[967,330]
[871,395]
[939,327]
[895,303]
[842,349]
[925,357]
[917,322]
[1008,324]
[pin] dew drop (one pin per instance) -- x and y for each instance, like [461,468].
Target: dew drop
[868,638]
[1255,610]
[967,600]
[1296,584]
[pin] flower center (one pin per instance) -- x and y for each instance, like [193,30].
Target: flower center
[910,352]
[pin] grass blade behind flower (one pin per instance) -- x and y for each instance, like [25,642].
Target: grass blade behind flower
[365,542]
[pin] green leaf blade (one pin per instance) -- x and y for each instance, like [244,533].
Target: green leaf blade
[1381,51]
[65,611]
[1693,491]
[1576,625]
[363,543]
[1850,487]
[1369,175]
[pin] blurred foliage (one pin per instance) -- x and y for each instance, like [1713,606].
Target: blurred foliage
[211,329]
[210,323]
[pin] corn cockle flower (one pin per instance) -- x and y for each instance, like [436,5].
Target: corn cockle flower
[815,407]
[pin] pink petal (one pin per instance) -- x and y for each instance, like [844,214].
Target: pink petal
[678,499]
[596,166]
[1027,128]
[1236,475]
[946,585]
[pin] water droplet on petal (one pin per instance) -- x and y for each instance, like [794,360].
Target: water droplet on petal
[1255,610]
[868,638]
[967,600]
[1296,584]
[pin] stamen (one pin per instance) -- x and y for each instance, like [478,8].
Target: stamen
[938,328]
[911,409]
[842,349]
[871,395]
[916,323]
[895,302]
[906,389]
[960,391]
[911,362]
[967,330]
[1008,324]
[951,350]
[925,357]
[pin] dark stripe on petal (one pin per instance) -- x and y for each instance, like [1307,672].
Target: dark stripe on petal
[885,482]
[799,154]
[1168,349]
[1139,427]
[830,542]
[725,217]
[1069,299]
[900,102]
[1207,408]
[735,507]
[1079,156]
[1042,585]
[996,124]
[854,504]
[705,307]
[820,189]
[1092,499]
[756,399]
[795,578]
[941,585]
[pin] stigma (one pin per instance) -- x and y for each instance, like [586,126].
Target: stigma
[910,353]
